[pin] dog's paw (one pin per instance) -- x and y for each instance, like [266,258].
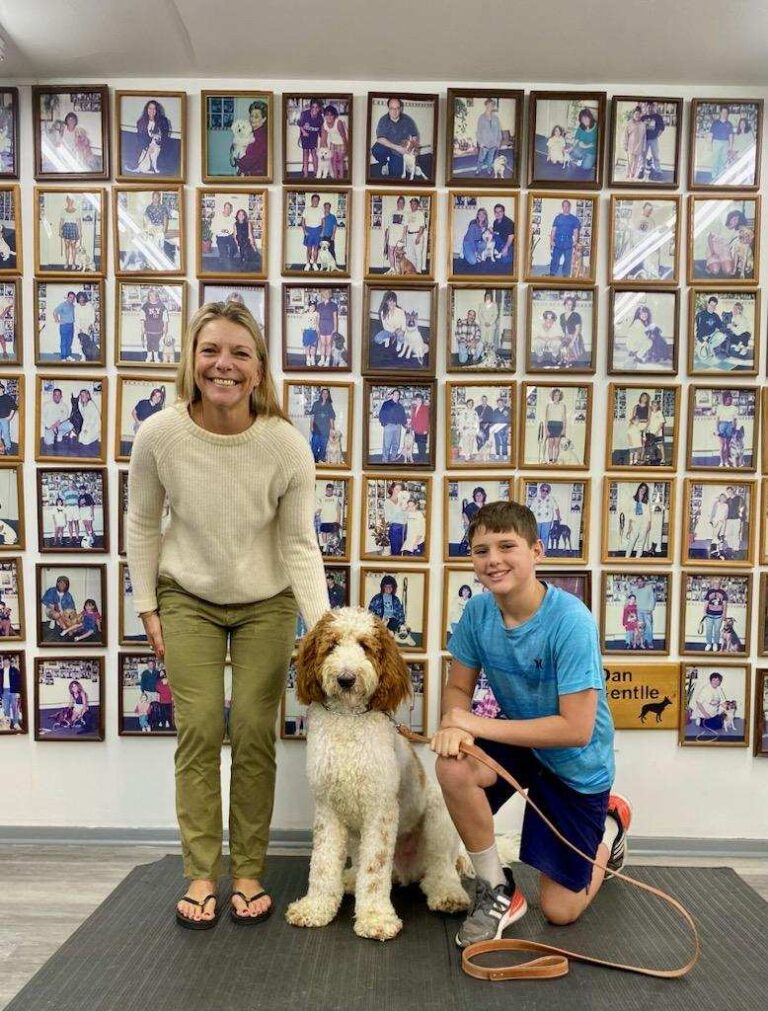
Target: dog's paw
[379,925]
[349,880]
[449,898]
[310,912]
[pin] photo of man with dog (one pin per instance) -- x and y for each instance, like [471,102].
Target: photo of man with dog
[399,235]
[723,332]
[722,427]
[560,508]
[70,422]
[402,131]
[146,701]
[635,612]
[69,699]
[556,421]
[398,329]
[483,137]
[399,424]
[482,230]
[480,425]
[482,328]
[716,613]
[726,142]
[561,237]
[716,705]
[718,521]
[316,232]
[70,232]
[724,240]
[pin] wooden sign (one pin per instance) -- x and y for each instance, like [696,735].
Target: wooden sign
[643,696]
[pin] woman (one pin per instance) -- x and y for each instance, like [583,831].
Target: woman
[394,517]
[654,434]
[555,424]
[473,243]
[644,342]
[458,606]
[573,351]
[634,143]
[224,573]
[744,149]
[416,529]
[77,144]
[91,429]
[70,231]
[244,237]
[78,704]
[468,430]
[639,523]
[488,320]
[637,425]
[468,512]
[333,135]
[726,419]
[85,327]
[322,423]
[719,260]
[56,600]
[153,130]
[392,319]
[254,160]
[584,149]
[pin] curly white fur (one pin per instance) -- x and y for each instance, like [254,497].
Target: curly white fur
[373,800]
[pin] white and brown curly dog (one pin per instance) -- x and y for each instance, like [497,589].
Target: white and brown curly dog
[373,800]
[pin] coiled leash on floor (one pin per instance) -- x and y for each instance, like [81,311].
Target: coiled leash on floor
[553,961]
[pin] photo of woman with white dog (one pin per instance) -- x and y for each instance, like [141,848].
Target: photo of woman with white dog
[151,135]
[398,325]
[483,235]
[317,137]
[484,137]
[71,232]
[717,704]
[399,235]
[716,614]
[555,419]
[316,232]
[237,136]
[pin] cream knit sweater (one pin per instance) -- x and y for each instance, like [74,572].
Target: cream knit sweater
[242,506]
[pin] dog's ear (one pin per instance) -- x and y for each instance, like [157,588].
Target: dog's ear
[313,649]
[394,680]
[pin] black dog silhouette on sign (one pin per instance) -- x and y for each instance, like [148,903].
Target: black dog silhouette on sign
[655,707]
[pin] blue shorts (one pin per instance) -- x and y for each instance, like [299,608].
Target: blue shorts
[579,816]
[312,237]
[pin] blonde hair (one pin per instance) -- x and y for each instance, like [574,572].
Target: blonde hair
[264,397]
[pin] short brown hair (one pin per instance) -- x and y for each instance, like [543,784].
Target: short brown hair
[498,517]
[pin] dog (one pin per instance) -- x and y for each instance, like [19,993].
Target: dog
[325,260]
[729,716]
[559,532]
[409,443]
[323,163]
[242,135]
[373,799]
[578,267]
[413,344]
[149,157]
[402,264]
[657,708]
[5,250]
[489,251]
[499,166]
[729,639]
[410,165]
[484,453]
[84,261]
[742,250]
[334,454]
[736,447]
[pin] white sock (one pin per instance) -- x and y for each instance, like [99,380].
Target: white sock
[610,832]
[488,866]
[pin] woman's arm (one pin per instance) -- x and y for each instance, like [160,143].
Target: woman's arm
[146,496]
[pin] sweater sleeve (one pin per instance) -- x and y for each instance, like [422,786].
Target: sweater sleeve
[146,496]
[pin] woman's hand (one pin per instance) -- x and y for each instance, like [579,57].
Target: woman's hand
[154,630]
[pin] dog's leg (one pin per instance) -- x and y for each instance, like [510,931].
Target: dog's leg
[329,851]
[375,916]
[350,873]
[440,881]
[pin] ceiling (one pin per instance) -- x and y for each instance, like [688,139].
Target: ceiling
[559,41]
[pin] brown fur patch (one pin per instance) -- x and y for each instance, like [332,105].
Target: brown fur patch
[394,680]
[314,648]
[377,864]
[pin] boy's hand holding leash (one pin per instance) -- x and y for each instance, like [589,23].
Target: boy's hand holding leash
[454,731]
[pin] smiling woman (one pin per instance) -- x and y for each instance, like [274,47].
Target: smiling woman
[240,481]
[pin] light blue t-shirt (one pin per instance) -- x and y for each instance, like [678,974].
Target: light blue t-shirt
[556,652]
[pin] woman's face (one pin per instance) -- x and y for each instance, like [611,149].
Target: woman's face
[62,585]
[396,489]
[636,115]
[642,492]
[557,395]
[644,400]
[84,397]
[324,394]
[644,314]
[465,593]
[256,117]
[151,110]
[226,365]
[479,497]
[482,218]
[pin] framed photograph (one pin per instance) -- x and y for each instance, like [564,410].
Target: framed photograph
[149,230]
[561,508]
[9,133]
[725,143]
[485,131]
[323,413]
[69,698]
[723,240]
[562,237]
[11,599]
[71,419]
[10,230]
[723,332]
[718,522]
[723,428]
[337,580]
[237,136]
[638,520]
[12,532]
[333,516]
[482,229]
[760,737]
[316,331]
[317,137]
[149,323]
[72,510]
[643,329]
[70,125]
[399,235]
[400,597]
[644,240]
[482,328]
[151,135]
[138,399]
[399,329]
[316,230]
[716,613]
[72,604]
[231,232]
[642,427]
[395,517]
[629,684]
[463,499]
[146,702]
[483,700]
[762,611]
[577,583]
[250,294]
[414,711]
[478,425]
[399,424]
[565,138]
[714,710]
[12,415]
[402,139]
[460,585]
[11,330]
[71,232]
[14,717]
[122,510]
[130,626]
[561,329]
[69,322]
[635,612]
[645,141]
[554,421]
[293,714]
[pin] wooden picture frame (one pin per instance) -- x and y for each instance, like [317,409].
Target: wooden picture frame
[572,345]
[331,260]
[293,714]
[89,307]
[564,156]
[477,252]
[460,151]
[625,626]
[743,171]
[164,319]
[463,496]
[728,258]
[466,424]
[575,581]
[412,634]
[405,350]
[762,558]
[11,322]
[671,112]
[122,511]
[19,708]
[413,712]
[220,110]
[422,170]
[130,630]
[338,579]
[301,321]
[9,120]
[329,454]
[566,253]
[646,324]
[156,155]
[13,425]
[395,518]
[70,439]
[403,258]
[697,631]
[537,449]
[721,340]
[12,589]
[334,526]
[244,251]
[254,295]
[128,666]
[707,509]
[48,666]
[159,250]
[653,528]
[760,730]
[421,451]
[563,530]
[160,392]
[11,246]
[12,524]
[70,620]
[693,734]
[737,451]
[486,339]
[650,443]
[293,111]
[65,229]
[460,584]
[59,509]
[644,251]
[75,156]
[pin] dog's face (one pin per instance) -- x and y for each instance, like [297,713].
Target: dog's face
[349,660]
[411,319]
[728,624]
[241,130]
[325,246]
[324,153]
[730,706]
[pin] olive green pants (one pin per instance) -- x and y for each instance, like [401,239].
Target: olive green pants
[261,636]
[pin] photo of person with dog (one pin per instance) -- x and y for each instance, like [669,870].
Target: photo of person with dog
[11,417]
[332,508]
[723,332]
[395,521]
[402,137]
[479,425]
[484,137]
[70,423]
[11,600]
[565,138]
[400,424]
[237,136]
[482,230]
[638,520]
[562,237]
[561,510]
[69,699]
[399,235]
[137,400]
[718,522]
[561,329]
[316,331]
[151,135]
[482,326]
[149,323]
[460,585]
[722,427]
[149,230]
[13,694]
[9,133]
[643,332]
[146,700]
[716,613]
[317,137]
[483,700]
[645,141]
[463,500]
[716,704]
[400,598]
[71,232]
[322,413]
[69,322]
[316,231]
[642,426]
[635,612]
[72,511]
[231,231]
[761,713]
[724,240]
[72,602]
[644,240]
[725,144]
[10,321]
[71,132]
[10,230]
[554,422]
[398,324]
[12,529]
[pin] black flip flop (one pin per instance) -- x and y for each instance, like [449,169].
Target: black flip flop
[190,924]
[250,921]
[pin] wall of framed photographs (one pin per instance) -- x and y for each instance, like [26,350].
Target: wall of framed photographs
[518,291]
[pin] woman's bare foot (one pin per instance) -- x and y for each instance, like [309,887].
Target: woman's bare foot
[197,890]
[249,886]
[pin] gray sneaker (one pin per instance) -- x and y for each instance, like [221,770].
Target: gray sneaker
[493,910]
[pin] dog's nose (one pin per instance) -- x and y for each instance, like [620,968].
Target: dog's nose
[345,680]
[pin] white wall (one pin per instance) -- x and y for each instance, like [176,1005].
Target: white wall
[128,782]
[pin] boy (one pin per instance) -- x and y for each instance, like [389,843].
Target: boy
[538,647]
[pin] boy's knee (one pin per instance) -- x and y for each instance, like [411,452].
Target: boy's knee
[562,907]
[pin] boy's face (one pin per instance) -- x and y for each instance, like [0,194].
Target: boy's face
[505,563]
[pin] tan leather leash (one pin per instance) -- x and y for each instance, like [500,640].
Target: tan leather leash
[554,961]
